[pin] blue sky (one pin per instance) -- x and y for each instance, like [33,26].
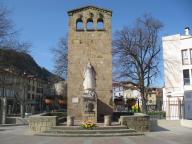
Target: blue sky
[43,22]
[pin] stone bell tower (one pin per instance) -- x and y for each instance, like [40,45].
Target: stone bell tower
[89,41]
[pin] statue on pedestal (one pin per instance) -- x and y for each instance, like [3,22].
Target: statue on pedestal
[89,82]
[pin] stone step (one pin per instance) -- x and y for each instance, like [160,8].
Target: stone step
[79,128]
[95,131]
[91,135]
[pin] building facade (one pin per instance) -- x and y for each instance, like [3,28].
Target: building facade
[154,99]
[11,92]
[126,89]
[129,91]
[123,92]
[118,90]
[20,91]
[177,56]
[34,100]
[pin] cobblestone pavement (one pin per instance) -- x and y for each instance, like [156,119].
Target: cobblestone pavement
[170,135]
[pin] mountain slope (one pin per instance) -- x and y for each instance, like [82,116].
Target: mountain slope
[24,62]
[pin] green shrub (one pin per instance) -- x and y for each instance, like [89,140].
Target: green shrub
[153,113]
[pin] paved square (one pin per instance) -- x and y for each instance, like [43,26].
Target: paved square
[171,135]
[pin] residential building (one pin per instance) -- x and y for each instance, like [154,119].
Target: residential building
[124,91]
[154,99]
[131,90]
[118,90]
[12,91]
[34,94]
[177,56]
[127,90]
[19,90]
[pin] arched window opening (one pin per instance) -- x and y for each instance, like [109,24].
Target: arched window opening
[90,25]
[91,15]
[100,24]
[79,24]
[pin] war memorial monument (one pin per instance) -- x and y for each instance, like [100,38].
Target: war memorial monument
[89,82]
[89,63]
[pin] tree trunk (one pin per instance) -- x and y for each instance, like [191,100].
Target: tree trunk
[144,100]
[22,111]
[144,105]
[4,110]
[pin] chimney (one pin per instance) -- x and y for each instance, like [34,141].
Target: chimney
[187,30]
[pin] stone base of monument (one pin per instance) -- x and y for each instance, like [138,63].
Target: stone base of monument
[89,111]
[107,129]
[100,131]
[49,126]
[90,117]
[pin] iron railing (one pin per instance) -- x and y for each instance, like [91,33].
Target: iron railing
[172,109]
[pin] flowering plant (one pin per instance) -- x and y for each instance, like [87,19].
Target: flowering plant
[88,124]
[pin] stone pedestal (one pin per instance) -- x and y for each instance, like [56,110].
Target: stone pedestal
[89,107]
[107,120]
[70,120]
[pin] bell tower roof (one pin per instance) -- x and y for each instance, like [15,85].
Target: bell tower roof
[71,12]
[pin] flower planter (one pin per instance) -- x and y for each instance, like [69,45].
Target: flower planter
[88,124]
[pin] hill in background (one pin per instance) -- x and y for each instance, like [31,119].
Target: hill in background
[25,63]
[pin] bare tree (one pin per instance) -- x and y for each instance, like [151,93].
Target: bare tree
[16,82]
[60,56]
[20,89]
[5,23]
[8,35]
[136,51]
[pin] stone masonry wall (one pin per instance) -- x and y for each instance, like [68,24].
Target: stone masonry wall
[89,46]
[138,122]
[38,124]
